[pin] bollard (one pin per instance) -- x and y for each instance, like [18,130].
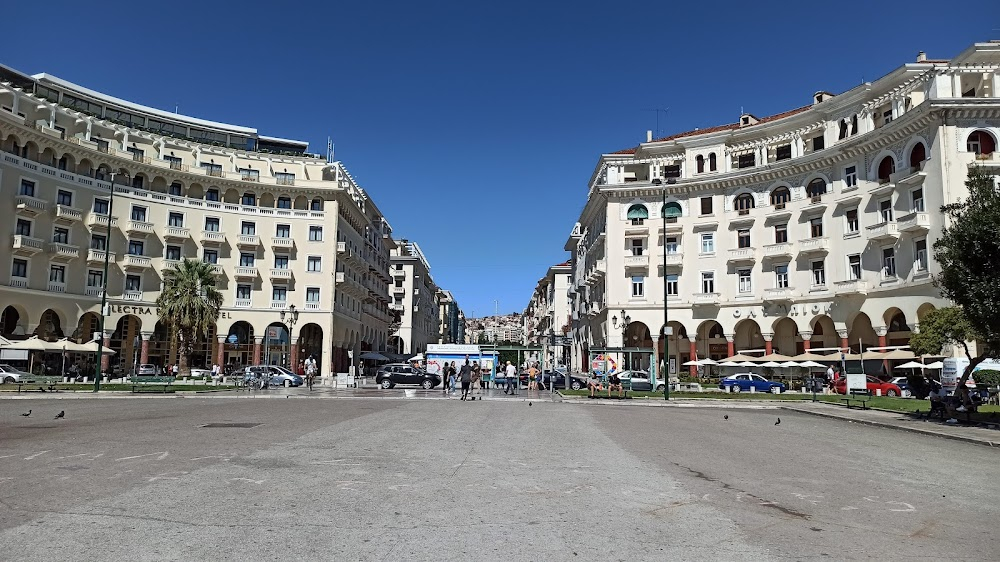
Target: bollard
[65,380]
[287,383]
[878,392]
[753,390]
[729,389]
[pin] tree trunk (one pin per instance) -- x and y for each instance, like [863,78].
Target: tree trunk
[184,354]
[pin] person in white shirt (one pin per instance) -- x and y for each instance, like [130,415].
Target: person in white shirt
[510,372]
[215,372]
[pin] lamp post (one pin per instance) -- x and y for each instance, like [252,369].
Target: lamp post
[292,317]
[626,320]
[104,288]
[666,332]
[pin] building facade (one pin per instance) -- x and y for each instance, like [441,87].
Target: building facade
[85,176]
[808,229]
[547,318]
[451,327]
[414,299]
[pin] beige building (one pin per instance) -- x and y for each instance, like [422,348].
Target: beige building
[283,228]
[414,298]
[808,229]
[548,312]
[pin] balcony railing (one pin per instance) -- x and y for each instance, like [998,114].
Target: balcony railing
[278,273]
[132,296]
[139,227]
[54,287]
[99,221]
[244,271]
[18,283]
[914,222]
[779,250]
[27,245]
[279,305]
[63,252]
[281,242]
[312,305]
[705,299]
[778,294]
[137,262]
[66,214]
[851,287]
[242,303]
[742,254]
[212,237]
[883,231]
[98,256]
[93,292]
[249,240]
[29,205]
[814,245]
[176,232]
[673,258]
[637,261]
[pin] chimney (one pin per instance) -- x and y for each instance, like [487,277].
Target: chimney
[921,56]
[649,136]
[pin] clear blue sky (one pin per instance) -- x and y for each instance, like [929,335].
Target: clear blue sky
[475,126]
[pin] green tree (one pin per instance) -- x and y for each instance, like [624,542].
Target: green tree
[942,327]
[189,304]
[969,253]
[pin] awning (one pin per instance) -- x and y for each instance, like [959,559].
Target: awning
[637,211]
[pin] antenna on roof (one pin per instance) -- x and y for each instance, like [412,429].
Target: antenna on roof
[659,132]
[177,108]
[329,149]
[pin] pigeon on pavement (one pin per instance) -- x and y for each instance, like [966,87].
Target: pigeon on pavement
[61,414]
[725,417]
[777,422]
[529,404]
[27,414]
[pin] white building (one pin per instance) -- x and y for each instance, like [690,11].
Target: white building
[415,298]
[548,313]
[812,228]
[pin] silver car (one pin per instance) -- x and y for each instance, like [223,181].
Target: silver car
[11,375]
[147,369]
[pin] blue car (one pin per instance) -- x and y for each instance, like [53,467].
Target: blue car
[743,382]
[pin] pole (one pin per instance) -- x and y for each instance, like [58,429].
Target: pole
[664,336]
[104,290]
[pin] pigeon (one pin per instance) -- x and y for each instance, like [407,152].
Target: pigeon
[777,422]
[27,414]
[61,414]
[725,417]
[41,389]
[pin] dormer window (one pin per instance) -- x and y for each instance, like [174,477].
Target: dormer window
[747,160]
[700,163]
[746,119]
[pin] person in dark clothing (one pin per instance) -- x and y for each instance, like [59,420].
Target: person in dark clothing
[466,375]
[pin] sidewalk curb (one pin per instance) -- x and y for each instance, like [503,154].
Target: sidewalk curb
[832,415]
[675,403]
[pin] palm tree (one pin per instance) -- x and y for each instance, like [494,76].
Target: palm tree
[189,304]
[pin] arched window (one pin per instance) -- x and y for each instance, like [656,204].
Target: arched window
[700,161]
[744,203]
[780,196]
[854,124]
[671,211]
[917,155]
[711,162]
[898,323]
[316,205]
[818,329]
[716,332]
[886,168]
[637,213]
[981,142]
[249,199]
[843,130]
[816,189]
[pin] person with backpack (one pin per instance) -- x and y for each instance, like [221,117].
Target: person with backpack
[466,376]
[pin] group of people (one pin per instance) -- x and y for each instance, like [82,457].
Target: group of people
[472,377]
[595,385]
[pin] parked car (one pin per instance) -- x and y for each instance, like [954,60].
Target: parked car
[11,375]
[873,384]
[639,381]
[275,375]
[903,384]
[576,382]
[201,372]
[147,369]
[743,382]
[392,374]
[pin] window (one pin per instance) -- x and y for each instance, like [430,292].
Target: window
[175,219]
[27,188]
[243,292]
[700,163]
[23,227]
[279,293]
[210,256]
[173,253]
[672,171]
[101,206]
[312,294]
[137,181]
[980,142]
[98,242]
[819,273]
[780,196]
[818,143]
[636,247]
[95,278]
[816,189]
[672,245]
[920,254]
[212,169]
[282,231]
[248,174]
[176,189]
[917,195]
[174,162]
[746,160]
[248,199]
[638,286]
[671,211]
[746,286]
[136,247]
[708,243]
[247,260]
[886,168]
[886,117]
[637,214]
[888,262]
[19,268]
[743,238]
[212,224]
[854,124]
[707,282]
[744,203]
[133,283]
[843,130]
[780,233]
[212,195]
[315,233]
[60,235]
[854,267]
[284,178]
[850,177]
[280,262]
[706,205]
[851,216]
[885,210]
[138,213]
[64,197]
[783,152]
[248,227]
[781,276]
[816,227]
[672,284]
[284,203]
[314,263]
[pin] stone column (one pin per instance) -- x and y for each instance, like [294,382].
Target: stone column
[257,341]
[881,332]
[106,357]
[220,350]
[656,358]
[768,346]
[293,354]
[144,350]
[845,344]
[693,352]
[806,336]
[731,344]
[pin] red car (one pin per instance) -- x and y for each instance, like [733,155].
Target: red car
[873,384]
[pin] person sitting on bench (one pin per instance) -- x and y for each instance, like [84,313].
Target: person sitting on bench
[938,397]
[594,384]
[615,383]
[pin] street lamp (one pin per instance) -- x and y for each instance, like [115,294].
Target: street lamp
[626,320]
[665,334]
[104,289]
[293,316]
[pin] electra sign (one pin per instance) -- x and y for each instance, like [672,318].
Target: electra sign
[807,309]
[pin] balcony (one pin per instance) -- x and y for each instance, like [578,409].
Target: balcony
[95,292]
[26,245]
[884,187]
[395,306]
[779,294]
[177,233]
[279,242]
[279,305]
[398,290]
[815,204]
[673,259]
[914,222]
[97,221]
[141,228]
[245,272]
[817,245]
[705,299]
[242,303]
[212,238]
[779,250]
[278,273]
[217,269]
[132,296]
[67,215]
[97,257]
[18,283]
[671,227]
[137,263]
[168,265]
[54,287]
[398,273]
[913,175]
[248,241]
[742,255]
[29,206]
[634,230]
[851,287]
[637,261]
[883,231]
[312,306]
[63,252]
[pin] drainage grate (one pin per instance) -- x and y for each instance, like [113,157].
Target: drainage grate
[244,425]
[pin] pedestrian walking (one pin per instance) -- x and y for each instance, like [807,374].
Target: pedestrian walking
[477,374]
[466,375]
[452,374]
[510,373]
[176,370]
[533,377]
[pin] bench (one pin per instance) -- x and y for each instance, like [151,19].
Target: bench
[42,381]
[858,397]
[139,384]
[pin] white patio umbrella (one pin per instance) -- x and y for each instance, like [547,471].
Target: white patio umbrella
[695,363]
[935,365]
[91,347]
[812,364]
[771,365]
[729,364]
[34,344]
[707,361]
[911,365]
[789,364]
[748,364]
